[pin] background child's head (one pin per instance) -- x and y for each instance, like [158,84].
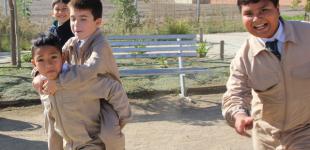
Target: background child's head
[46,55]
[60,10]
[260,17]
[85,17]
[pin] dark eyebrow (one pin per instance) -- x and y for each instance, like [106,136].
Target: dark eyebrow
[83,16]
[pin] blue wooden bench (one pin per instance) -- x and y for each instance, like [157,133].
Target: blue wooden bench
[157,46]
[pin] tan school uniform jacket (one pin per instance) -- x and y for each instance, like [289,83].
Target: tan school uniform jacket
[77,112]
[275,93]
[93,58]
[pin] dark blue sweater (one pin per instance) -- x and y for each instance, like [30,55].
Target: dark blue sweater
[63,32]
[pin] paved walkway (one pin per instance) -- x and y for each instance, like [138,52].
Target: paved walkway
[233,42]
[5,57]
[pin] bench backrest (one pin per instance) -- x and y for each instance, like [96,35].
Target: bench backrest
[152,46]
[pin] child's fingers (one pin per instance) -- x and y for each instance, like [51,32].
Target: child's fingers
[242,126]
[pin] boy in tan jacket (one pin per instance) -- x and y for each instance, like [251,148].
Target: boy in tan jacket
[268,86]
[73,117]
[92,57]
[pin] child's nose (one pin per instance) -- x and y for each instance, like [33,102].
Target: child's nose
[50,63]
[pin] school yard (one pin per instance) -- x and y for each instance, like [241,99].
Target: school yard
[162,120]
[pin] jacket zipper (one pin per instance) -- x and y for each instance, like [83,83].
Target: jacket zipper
[283,66]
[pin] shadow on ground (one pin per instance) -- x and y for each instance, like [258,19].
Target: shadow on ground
[16,125]
[204,110]
[11,143]
[19,103]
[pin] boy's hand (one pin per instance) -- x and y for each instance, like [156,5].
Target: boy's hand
[49,88]
[38,82]
[243,123]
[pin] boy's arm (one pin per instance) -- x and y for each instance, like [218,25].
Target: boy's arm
[112,91]
[101,61]
[38,80]
[237,98]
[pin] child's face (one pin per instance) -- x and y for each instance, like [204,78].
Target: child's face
[83,24]
[61,12]
[261,19]
[48,61]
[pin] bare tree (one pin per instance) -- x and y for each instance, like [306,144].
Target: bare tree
[14,41]
[13,31]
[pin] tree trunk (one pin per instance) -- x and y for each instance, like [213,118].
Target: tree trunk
[13,32]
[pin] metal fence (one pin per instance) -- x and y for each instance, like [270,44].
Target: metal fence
[212,15]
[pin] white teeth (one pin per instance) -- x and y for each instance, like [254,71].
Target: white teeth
[261,26]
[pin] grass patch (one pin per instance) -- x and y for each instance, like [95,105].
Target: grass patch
[297,17]
[15,83]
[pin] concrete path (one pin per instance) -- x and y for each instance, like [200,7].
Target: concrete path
[5,57]
[233,42]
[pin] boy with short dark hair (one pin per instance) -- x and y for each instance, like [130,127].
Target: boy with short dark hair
[61,25]
[92,57]
[267,88]
[73,117]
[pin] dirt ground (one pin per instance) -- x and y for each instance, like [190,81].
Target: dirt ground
[161,122]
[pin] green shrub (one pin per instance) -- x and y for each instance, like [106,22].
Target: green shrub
[163,62]
[297,17]
[5,43]
[26,57]
[26,32]
[295,4]
[202,49]
[172,26]
[307,7]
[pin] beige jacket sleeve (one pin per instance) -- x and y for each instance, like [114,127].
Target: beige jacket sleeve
[100,61]
[238,95]
[114,93]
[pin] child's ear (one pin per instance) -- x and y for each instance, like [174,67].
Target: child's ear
[98,22]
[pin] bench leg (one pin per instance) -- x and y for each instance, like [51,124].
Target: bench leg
[182,86]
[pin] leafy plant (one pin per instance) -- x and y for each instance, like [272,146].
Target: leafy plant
[173,26]
[126,14]
[23,7]
[26,57]
[202,49]
[297,17]
[295,4]
[163,62]
[307,7]
[26,32]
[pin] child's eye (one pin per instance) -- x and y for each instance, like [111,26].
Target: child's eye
[40,60]
[64,9]
[264,9]
[54,57]
[249,14]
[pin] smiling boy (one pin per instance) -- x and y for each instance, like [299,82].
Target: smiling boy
[61,25]
[267,87]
